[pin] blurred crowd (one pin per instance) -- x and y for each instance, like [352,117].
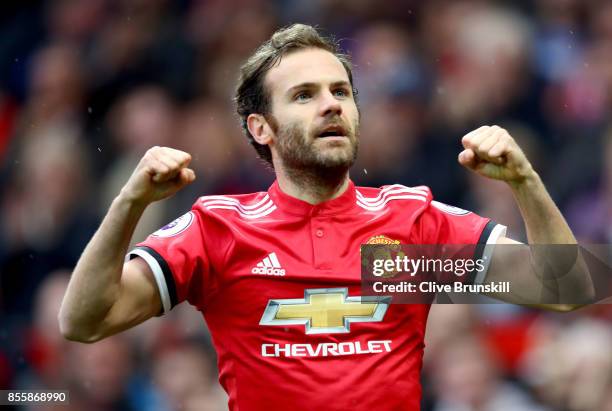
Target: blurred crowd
[86,86]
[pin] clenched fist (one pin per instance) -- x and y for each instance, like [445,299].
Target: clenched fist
[161,172]
[492,152]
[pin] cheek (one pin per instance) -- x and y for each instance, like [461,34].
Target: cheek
[355,123]
[352,113]
[298,125]
[288,118]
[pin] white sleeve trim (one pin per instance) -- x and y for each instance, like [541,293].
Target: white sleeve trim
[498,231]
[157,273]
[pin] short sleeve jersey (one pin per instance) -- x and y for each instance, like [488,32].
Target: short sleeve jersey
[278,282]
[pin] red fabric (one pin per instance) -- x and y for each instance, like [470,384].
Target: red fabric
[8,113]
[373,364]
[510,339]
[6,372]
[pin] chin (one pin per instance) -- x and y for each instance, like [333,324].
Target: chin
[335,160]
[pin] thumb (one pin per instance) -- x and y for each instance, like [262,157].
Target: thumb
[467,158]
[183,178]
[186,176]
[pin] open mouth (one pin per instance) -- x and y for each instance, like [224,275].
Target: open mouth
[332,131]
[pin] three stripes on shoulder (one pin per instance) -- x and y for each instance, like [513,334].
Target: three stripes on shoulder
[389,193]
[265,206]
[251,211]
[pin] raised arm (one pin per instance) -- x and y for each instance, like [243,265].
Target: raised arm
[106,295]
[547,271]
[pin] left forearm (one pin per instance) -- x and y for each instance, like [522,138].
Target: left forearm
[560,267]
[552,266]
[544,222]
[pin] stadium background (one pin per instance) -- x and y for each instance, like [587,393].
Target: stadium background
[86,86]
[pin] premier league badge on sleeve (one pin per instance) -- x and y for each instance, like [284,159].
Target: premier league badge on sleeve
[175,227]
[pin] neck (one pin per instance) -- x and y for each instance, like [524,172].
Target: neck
[313,187]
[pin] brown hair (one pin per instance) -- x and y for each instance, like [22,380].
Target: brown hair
[251,94]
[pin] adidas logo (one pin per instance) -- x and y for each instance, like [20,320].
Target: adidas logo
[269,266]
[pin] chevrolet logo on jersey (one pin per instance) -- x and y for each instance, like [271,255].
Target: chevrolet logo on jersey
[325,310]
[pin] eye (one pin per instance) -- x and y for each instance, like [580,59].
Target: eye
[302,96]
[342,93]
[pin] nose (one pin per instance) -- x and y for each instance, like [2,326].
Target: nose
[330,105]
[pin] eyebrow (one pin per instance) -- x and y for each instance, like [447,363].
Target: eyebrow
[307,85]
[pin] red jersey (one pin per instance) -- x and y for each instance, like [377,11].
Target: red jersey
[278,281]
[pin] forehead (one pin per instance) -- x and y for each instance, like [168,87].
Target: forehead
[305,66]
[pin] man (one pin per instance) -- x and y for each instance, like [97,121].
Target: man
[276,274]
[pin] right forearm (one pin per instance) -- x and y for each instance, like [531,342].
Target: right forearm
[95,282]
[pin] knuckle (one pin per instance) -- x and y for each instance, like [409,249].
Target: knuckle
[152,152]
[171,162]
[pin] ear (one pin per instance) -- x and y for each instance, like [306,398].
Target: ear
[260,129]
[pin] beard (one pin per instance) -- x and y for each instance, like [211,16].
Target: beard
[301,153]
